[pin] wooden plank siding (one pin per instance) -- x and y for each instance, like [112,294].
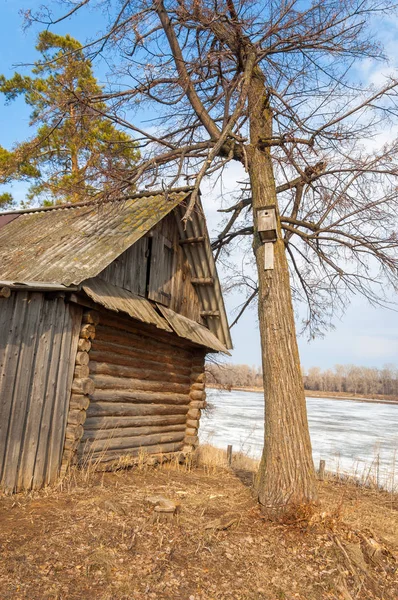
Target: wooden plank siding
[37,337]
[168,278]
[129,270]
[161,269]
[143,380]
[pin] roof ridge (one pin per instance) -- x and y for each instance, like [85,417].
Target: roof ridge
[147,194]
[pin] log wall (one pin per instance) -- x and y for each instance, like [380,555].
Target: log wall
[38,340]
[149,390]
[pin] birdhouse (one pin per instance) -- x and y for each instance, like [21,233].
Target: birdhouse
[267,228]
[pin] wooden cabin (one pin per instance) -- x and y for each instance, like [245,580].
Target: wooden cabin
[107,312]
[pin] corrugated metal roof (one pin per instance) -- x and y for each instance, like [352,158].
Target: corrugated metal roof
[67,245]
[190,330]
[121,300]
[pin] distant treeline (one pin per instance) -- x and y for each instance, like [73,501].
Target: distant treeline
[342,378]
[230,376]
[354,380]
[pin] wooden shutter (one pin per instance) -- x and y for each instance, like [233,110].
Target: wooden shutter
[161,269]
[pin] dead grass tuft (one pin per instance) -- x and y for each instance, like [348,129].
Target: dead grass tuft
[100,563]
[212,459]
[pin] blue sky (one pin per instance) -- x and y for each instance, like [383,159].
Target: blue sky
[365,336]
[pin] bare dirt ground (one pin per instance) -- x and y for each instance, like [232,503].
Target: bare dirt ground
[96,537]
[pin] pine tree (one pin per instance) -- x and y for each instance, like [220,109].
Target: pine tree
[74,149]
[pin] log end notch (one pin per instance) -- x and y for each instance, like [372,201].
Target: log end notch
[82,388]
[197,396]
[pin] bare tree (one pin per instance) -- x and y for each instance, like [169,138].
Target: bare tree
[352,379]
[272,85]
[234,376]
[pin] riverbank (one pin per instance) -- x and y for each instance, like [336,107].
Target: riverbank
[376,398]
[97,537]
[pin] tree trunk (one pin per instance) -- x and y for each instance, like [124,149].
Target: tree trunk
[74,155]
[286,474]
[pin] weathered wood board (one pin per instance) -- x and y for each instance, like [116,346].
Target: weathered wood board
[38,341]
[156,267]
[129,270]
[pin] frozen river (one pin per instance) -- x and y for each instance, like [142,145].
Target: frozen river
[353,437]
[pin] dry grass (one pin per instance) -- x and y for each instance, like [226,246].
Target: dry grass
[212,459]
[95,537]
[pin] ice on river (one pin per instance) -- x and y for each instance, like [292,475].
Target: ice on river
[353,437]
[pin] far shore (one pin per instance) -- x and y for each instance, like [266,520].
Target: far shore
[376,399]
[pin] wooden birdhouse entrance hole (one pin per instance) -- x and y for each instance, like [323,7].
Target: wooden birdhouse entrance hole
[267,227]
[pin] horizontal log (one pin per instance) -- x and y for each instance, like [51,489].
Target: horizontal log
[186,449]
[198,357]
[155,338]
[91,317]
[202,280]
[82,358]
[114,455]
[193,240]
[69,458]
[76,417]
[193,423]
[81,371]
[66,457]
[198,373]
[83,345]
[74,432]
[128,325]
[106,434]
[136,396]
[104,423]
[193,413]
[198,386]
[107,382]
[83,386]
[191,439]
[209,313]
[130,359]
[79,401]
[87,332]
[117,409]
[5,292]
[71,444]
[198,404]
[104,368]
[133,442]
[197,395]
[191,431]
[195,379]
[108,334]
[198,365]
